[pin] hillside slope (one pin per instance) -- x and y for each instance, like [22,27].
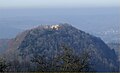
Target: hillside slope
[47,40]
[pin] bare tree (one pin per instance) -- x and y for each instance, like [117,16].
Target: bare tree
[72,62]
[66,61]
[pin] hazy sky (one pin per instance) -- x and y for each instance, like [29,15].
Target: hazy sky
[58,3]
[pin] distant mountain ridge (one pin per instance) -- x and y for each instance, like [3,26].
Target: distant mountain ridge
[47,40]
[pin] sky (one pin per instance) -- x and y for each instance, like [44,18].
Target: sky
[58,3]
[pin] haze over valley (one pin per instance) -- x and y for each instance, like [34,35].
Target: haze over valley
[96,21]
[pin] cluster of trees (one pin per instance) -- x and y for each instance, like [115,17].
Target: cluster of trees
[3,65]
[65,61]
